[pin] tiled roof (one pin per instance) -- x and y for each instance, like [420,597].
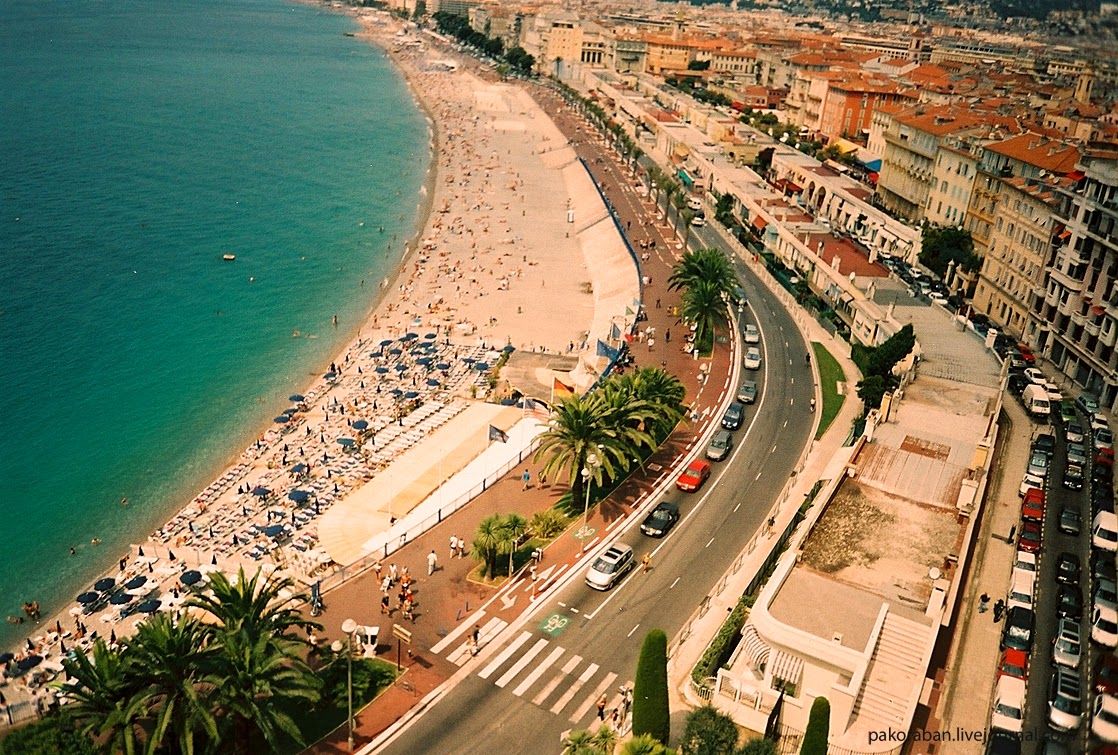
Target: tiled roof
[1039,151]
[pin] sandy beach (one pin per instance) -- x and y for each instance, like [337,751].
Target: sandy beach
[516,249]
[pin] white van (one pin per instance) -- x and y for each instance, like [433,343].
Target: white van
[1035,399]
[694,203]
[1104,531]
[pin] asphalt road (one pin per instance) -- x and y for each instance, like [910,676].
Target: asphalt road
[525,702]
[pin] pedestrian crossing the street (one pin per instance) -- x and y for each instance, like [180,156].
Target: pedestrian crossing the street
[537,669]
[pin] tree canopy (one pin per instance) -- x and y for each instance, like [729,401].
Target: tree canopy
[942,246]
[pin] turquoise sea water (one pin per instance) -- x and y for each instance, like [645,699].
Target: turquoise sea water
[140,142]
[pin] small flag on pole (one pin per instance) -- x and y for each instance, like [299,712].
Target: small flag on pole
[497,434]
[561,390]
[536,409]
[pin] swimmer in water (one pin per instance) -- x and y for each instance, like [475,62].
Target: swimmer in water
[295,334]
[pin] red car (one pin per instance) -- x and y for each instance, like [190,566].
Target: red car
[1029,539]
[1026,353]
[1105,457]
[694,476]
[1014,663]
[1032,505]
[1106,674]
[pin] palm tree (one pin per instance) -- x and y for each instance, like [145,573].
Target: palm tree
[169,657]
[605,739]
[105,697]
[645,744]
[709,265]
[579,742]
[512,528]
[487,541]
[257,607]
[704,305]
[664,394]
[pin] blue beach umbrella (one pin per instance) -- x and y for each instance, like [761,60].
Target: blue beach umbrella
[424,361]
[297,398]
[282,419]
[29,662]
[429,336]
[442,366]
[360,424]
[121,599]
[88,597]
[6,657]
[346,442]
[191,577]
[410,394]
[387,342]
[396,392]
[401,368]
[481,366]
[149,606]
[104,584]
[136,582]
[261,492]
[395,352]
[382,370]
[409,337]
[299,469]
[468,360]
[330,375]
[298,496]
[432,382]
[273,530]
[509,349]
[291,410]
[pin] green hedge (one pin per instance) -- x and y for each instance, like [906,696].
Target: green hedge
[722,646]
[650,690]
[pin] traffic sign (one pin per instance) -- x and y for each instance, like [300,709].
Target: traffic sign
[400,633]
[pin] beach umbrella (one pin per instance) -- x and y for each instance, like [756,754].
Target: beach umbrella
[148,606]
[137,581]
[395,352]
[509,349]
[360,424]
[291,410]
[429,336]
[432,382]
[481,366]
[424,361]
[396,392]
[191,577]
[6,658]
[273,530]
[468,360]
[410,337]
[346,442]
[298,496]
[330,375]
[261,492]
[105,584]
[281,419]
[170,555]
[387,342]
[299,469]
[121,599]
[29,662]
[297,398]
[442,366]
[401,368]
[410,394]
[382,370]
[88,597]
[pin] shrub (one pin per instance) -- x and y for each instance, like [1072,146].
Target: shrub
[650,690]
[722,646]
[709,732]
[818,728]
[548,523]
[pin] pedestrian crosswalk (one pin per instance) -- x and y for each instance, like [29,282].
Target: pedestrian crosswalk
[538,669]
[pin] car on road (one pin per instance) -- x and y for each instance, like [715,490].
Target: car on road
[1099,422]
[1068,568]
[1025,562]
[692,478]
[1034,376]
[1000,742]
[1073,432]
[1009,705]
[1065,700]
[1076,453]
[610,567]
[1067,645]
[1105,677]
[1030,538]
[1045,442]
[1021,588]
[1104,719]
[721,443]
[1104,626]
[1069,602]
[1106,593]
[1073,476]
[1018,630]
[1087,404]
[1032,505]
[1069,523]
[747,392]
[752,358]
[660,519]
[731,420]
[1030,481]
[1014,663]
[752,335]
[1103,438]
[1038,464]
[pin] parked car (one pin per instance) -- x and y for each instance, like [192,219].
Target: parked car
[1103,438]
[1076,453]
[1104,719]
[1065,700]
[752,359]
[752,335]
[1105,677]
[1069,602]
[1067,411]
[1035,376]
[1068,568]
[1021,588]
[1032,505]
[1073,432]
[1099,422]
[692,478]
[1014,663]
[1102,566]
[1030,539]
[1067,645]
[1009,705]
[1025,561]
[731,420]
[1087,404]
[1069,523]
[747,392]
[660,519]
[1000,742]
[721,443]
[1045,442]
[1018,630]
[1038,464]
[1104,626]
[610,567]
[1106,593]
[1030,481]
[1073,476]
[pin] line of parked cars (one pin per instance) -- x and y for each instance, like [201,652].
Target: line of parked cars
[1089,456]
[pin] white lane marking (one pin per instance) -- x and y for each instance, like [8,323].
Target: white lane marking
[737,507]
[583,679]
[709,542]
[568,667]
[593,698]
[504,656]
[632,630]
[545,664]
[673,584]
[520,664]
[465,625]
[773,451]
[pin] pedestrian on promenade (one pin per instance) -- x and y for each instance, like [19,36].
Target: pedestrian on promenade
[386,584]
[532,572]
[476,635]
[453,546]
[385,607]
[999,609]
[526,477]
[409,612]
[646,563]
[461,547]
[376,570]
[432,562]
[668,335]
[602,708]
[391,573]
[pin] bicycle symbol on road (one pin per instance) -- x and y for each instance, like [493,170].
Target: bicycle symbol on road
[554,624]
[585,532]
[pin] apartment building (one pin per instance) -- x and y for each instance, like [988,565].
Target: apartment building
[849,104]
[1080,305]
[952,183]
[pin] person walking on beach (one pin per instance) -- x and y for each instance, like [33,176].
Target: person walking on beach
[432,562]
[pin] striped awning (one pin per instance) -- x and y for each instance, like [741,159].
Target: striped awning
[787,668]
[756,648]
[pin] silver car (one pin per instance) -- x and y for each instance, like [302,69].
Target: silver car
[610,567]
[747,392]
[1067,647]
[752,335]
[752,358]
[720,446]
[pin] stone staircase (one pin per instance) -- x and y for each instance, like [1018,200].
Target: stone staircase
[895,667]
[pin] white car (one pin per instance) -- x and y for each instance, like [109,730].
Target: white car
[1104,720]
[1009,705]
[1021,589]
[1030,481]
[752,335]
[752,359]
[1104,626]
[1067,648]
[1035,376]
[1098,422]
[1065,700]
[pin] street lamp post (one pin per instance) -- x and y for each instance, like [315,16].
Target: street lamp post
[349,626]
[587,477]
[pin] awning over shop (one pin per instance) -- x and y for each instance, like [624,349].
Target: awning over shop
[787,668]
[794,188]
[759,223]
[756,648]
[686,178]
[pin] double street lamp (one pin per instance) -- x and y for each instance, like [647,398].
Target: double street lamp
[349,626]
[592,464]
